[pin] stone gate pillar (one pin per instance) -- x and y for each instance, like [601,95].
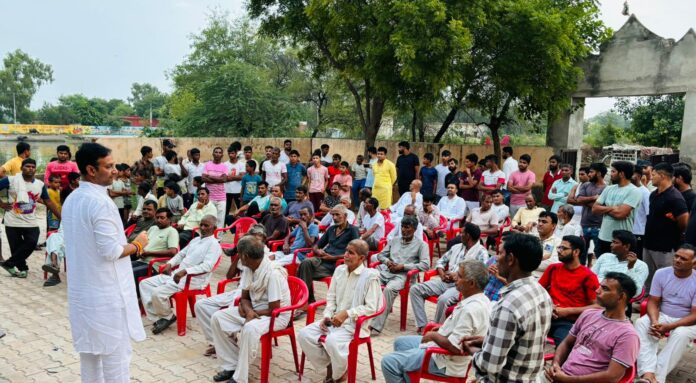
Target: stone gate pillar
[565,132]
[687,147]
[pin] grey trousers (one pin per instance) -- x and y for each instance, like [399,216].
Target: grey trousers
[311,269]
[655,260]
[446,294]
[393,286]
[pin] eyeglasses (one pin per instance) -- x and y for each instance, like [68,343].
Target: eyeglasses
[563,248]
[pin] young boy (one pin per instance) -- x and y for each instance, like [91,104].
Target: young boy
[344,179]
[55,248]
[54,195]
[127,201]
[428,175]
[117,192]
[172,200]
[250,182]
[359,177]
[197,183]
[317,174]
[73,183]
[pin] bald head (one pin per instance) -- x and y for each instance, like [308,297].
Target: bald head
[208,225]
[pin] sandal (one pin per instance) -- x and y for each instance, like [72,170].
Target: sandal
[210,351]
[11,269]
[22,274]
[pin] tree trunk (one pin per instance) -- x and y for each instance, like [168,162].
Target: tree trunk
[372,128]
[494,126]
[421,130]
[446,124]
[414,121]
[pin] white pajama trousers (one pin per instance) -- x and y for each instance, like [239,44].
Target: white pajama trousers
[236,354]
[107,368]
[154,294]
[221,212]
[334,351]
[205,308]
[649,360]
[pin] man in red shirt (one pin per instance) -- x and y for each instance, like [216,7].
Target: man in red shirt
[62,167]
[550,177]
[334,169]
[572,287]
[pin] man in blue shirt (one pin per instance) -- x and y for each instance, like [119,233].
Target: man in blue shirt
[304,234]
[428,175]
[296,175]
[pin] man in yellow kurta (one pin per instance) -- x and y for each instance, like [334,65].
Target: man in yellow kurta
[385,176]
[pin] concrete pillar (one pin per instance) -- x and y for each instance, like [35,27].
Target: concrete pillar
[565,132]
[687,147]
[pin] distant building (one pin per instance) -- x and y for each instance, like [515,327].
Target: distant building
[140,121]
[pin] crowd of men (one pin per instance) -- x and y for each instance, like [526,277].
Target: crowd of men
[515,270]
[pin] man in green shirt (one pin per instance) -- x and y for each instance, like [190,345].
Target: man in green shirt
[163,242]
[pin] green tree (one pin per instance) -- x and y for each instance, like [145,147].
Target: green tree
[145,98]
[384,52]
[20,79]
[654,121]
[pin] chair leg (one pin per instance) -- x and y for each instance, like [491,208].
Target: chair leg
[414,376]
[265,357]
[181,308]
[192,304]
[353,361]
[293,344]
[404,308]
[302,359]
[372,361]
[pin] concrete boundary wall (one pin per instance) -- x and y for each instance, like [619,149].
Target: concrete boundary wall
[127,149]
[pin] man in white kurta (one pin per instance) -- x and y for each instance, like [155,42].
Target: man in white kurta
[197,258]
[354,292]
[102,302]
[413,197]
[237,330]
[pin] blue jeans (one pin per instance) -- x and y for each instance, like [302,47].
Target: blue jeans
[560,328]
[406,357]
[357,185]
[590,234]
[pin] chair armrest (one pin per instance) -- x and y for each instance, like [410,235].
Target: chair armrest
[312,310]
[276,244]
[431,326]
[374,265]
[429,275]
[644,307]
[223,283]
[308,250]
[409,278]
[361,319]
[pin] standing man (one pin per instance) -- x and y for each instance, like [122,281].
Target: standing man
[428,175]
[371,161]
[145,166]
[215,176]
[492,178]
[550,177]
[561,188]
[62,167]
[102,301]
[520,183]
[326,159]
[641,215]
[666,222]
[468,181]
[297,173]
[587,194]
[274,171]
[513,349]
[21,223]
[194,169]
[616,204]
[233,187]
[442,172]
[407,165]
[682,181]
[285,153]
[160,162]
[385,176]
[14,165]
[510,164]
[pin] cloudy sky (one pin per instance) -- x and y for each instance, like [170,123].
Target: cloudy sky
[99,48]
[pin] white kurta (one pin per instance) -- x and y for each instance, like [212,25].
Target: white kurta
[100,283]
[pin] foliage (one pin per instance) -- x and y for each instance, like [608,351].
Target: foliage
[145,98]
[655,121]
[78,109]
[606,129]
[20,78]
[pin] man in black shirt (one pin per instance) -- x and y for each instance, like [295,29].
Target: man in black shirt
[330,248]
[407,165]
[682,181]
[666,221]
[454,175]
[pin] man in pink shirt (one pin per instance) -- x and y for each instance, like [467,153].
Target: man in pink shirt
[344,179]
[318,175]
[215,176]
[62,167]
[520,184]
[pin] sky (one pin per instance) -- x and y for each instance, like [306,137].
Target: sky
[99,48]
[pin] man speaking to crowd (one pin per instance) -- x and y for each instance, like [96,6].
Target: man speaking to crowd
[102,301]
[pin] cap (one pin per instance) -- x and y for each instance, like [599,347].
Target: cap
[168,143]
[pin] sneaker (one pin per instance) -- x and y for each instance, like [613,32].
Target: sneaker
[22,274]
[50,269]
[224,375]
[51,281]
[11,269]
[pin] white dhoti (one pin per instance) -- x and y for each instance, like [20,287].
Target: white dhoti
[155,293]
[239,353]
[333,351]
[283,259]
[661,364]
[205,308]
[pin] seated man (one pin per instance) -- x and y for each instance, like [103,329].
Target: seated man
[413,197]
[332,199]
[502,211]
[199,257]
[572,287]
[546,226]
[566,223]
[622,260]
[146,219]
[446,267]
[526,218]
[301,201]
[469,318]
[484,217]
[409,211]
[602,343]
[194,215]
[452,206]
[671,308]
[354,292]
[305,234]
[429,217]
[396,260]
[258,204]
[327,220]
[363,195]
[265,288]
[330,248]
[55,249]
[163,241]
[275,222]
[373,223]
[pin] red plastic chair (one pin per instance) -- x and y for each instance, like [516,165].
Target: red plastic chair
[403,293]
[388,227]
[436,241]
[354,344]
[428,275]
[451,230]
[241,226]
[298,298]
[186,295]
[506,224]
[386,213]
[416,376]
[129,230]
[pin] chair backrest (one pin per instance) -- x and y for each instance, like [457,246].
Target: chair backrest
[388,227]
[299,294]
[129,230]
[629,375]
[443,222]
[242,225]
[386,213]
